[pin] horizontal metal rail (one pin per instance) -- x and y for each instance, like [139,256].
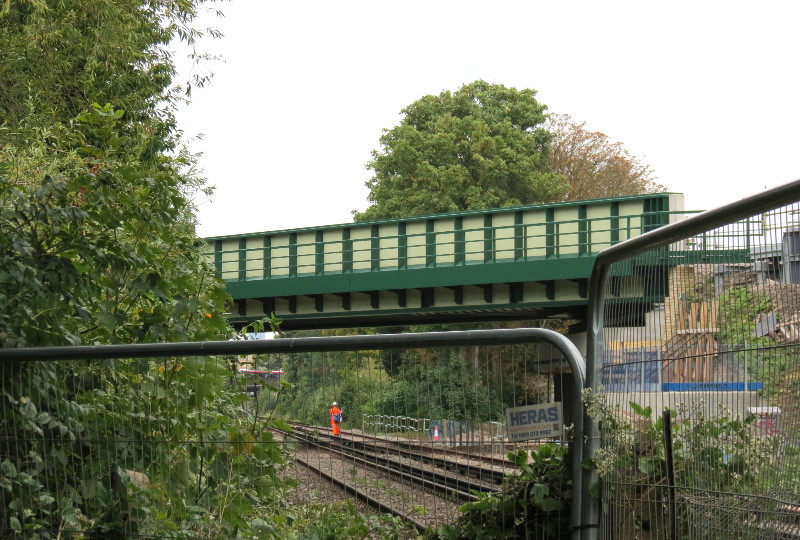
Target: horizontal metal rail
[372,501]
[289,345]
[366,453]
[699,225]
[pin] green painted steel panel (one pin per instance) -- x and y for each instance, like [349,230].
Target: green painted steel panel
[361,242]
[576,268]
[459,242]
[280,256]
[444,239]
[389,258]
[503,236]
[415,244]
[254,260]
[306,257]
[472,231]
[567,232]
[375,248]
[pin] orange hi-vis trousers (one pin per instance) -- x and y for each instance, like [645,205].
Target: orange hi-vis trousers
[334,424]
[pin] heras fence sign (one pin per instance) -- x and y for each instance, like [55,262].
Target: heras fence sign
[534,422]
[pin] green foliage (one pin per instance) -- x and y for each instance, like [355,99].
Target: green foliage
[482,146]
[534,504]
[103,247]
[59,57]
[716,452]
[739,309]
[84,433]
[433,384]
[330,520]
[350,378]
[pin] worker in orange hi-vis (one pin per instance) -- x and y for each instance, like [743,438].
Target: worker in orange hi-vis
[336,417]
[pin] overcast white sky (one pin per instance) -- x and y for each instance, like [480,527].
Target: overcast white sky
[707,93]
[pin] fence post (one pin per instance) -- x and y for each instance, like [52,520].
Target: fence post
[673,518]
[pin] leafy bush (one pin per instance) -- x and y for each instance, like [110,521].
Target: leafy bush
[435,384]
[719,452]
[534,504]
[713,453]
[332,520]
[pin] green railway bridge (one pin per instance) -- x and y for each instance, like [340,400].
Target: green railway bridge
[521,263]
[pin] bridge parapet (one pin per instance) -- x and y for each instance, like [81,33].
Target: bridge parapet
[551,231]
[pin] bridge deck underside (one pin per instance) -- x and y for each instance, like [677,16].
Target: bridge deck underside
[467,294]
[506,301]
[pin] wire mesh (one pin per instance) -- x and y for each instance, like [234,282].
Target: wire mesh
[186,446]
[707,329]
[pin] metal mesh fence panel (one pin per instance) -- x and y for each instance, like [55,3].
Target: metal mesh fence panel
[698,393]
[183,446]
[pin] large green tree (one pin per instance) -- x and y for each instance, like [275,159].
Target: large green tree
[97,219]
[482,146]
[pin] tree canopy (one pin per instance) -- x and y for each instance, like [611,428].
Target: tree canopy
[489,146]
[594,166]
[482,146]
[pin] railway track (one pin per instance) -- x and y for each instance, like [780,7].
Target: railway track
[417,471]
[445,478]
[453,476]
[487,471]
[364,496]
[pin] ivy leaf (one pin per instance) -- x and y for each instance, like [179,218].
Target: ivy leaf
[646,412]
[539,492]
[649,465]
[27,409]
[108,321]
[551,505]
[8,469]
[520,457]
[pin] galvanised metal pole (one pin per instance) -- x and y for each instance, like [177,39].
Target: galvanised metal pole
[287,345]
[590,510]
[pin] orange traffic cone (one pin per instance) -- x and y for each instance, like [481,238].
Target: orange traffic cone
[435,433]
